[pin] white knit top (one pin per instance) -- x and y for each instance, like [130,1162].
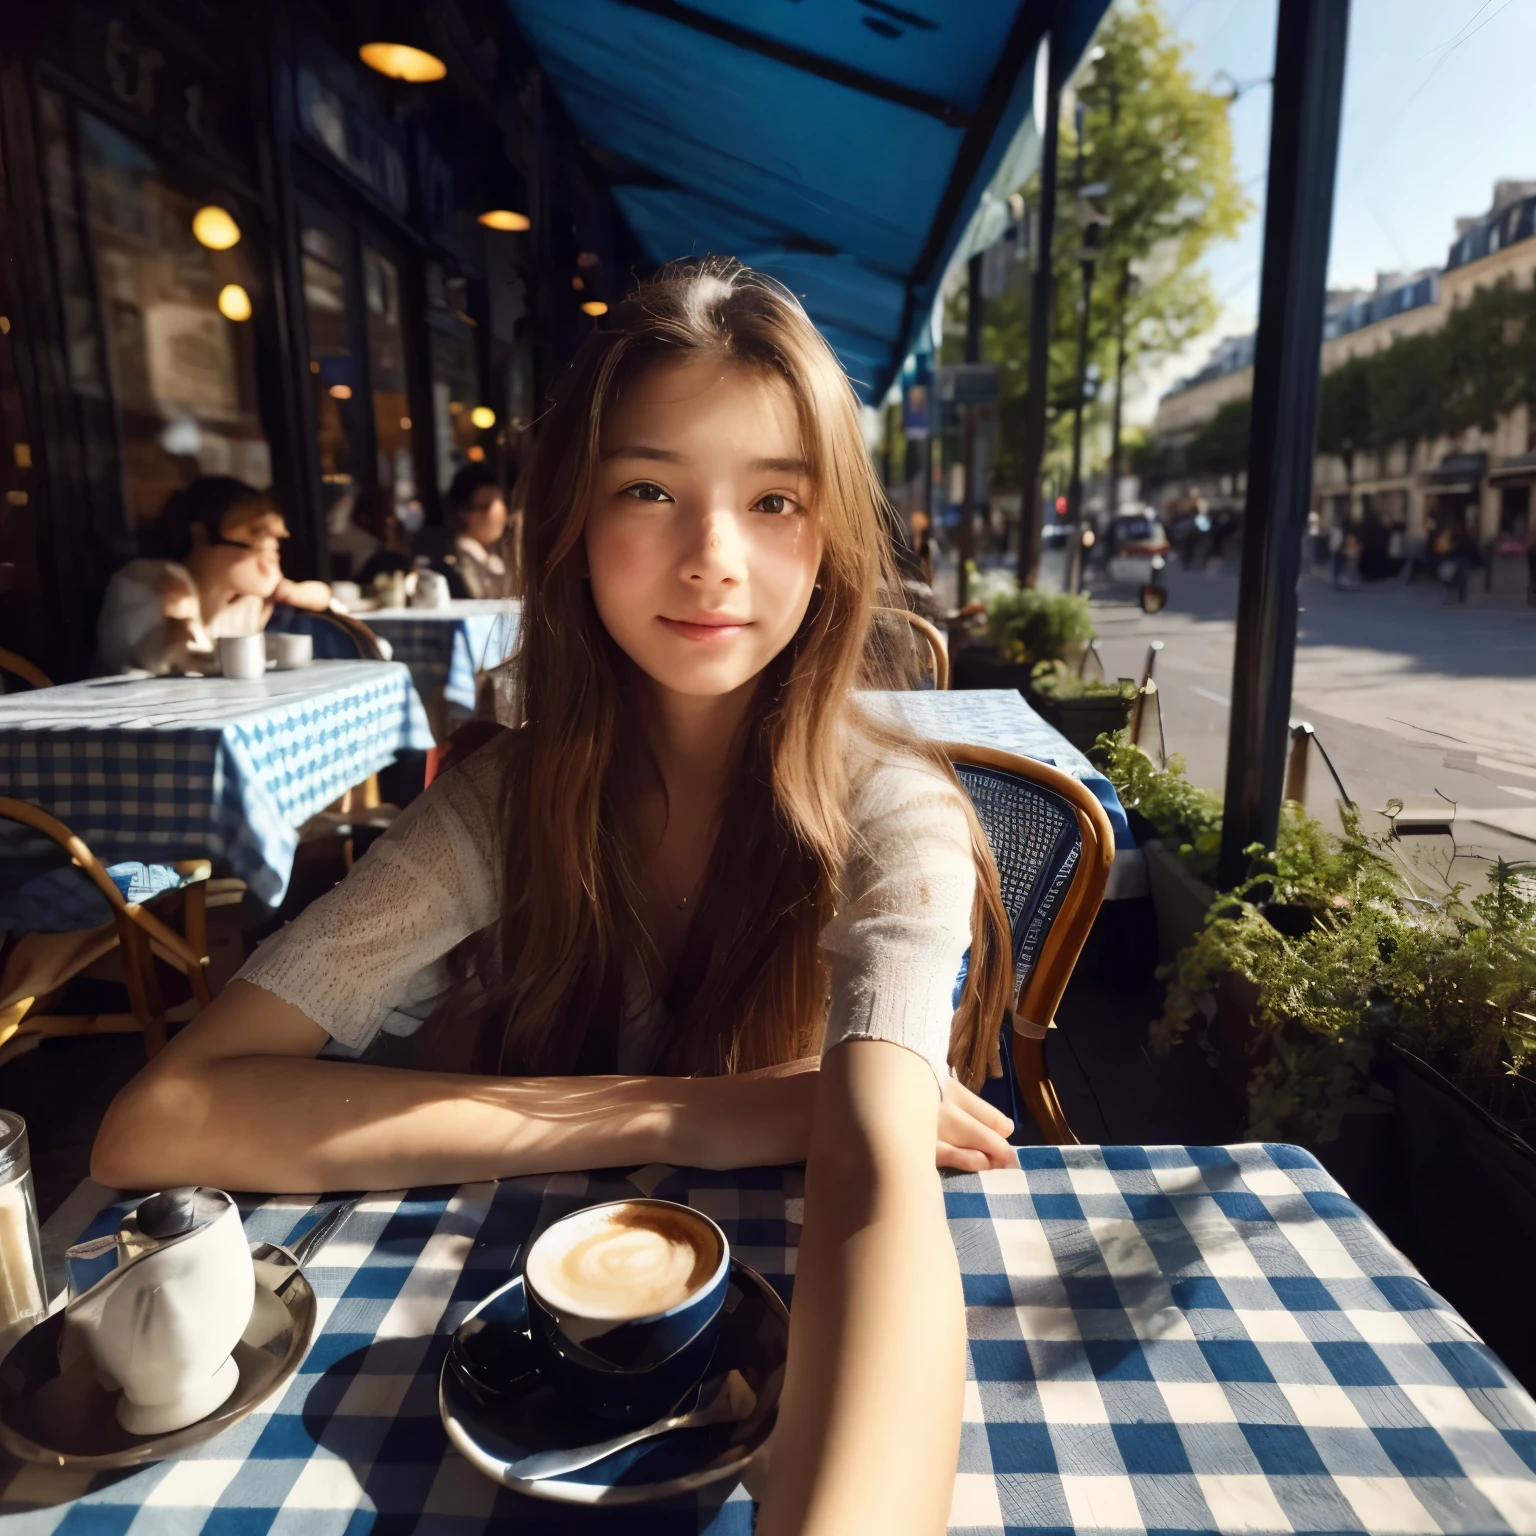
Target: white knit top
[371,954]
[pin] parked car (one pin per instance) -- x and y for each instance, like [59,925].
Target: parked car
[1136,538]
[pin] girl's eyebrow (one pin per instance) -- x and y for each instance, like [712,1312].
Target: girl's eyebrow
[644,451]
[789,466]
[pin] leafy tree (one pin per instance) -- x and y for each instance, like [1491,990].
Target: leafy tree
[1220,447]
[1161,144]
[1346,420]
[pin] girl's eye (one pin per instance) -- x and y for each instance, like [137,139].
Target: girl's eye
[646,490]
[775,502]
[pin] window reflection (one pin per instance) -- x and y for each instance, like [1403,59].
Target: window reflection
[455,393]
[392,424]
[330,358]
[138,287]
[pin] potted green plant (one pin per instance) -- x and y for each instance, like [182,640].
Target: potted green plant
[1390,1028]
[1033,642]
[1082,710]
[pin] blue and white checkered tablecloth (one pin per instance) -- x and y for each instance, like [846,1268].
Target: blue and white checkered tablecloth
[446,648]
[1161,1340]
[166,768]
[999,718]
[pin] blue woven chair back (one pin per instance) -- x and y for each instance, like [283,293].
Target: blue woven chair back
[332,642]
[1036,843]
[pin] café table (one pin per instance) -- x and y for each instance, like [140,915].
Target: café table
[1000,718]
[165,768]
[447,649]
[1160,1339]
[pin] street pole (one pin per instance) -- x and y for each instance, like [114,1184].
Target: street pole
[1032,456]
[1303,159]
[966,542]
[1075,482]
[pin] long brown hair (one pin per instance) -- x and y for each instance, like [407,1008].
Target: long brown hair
[750,989]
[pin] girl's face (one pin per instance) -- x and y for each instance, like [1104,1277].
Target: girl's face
[485,518]
[702,541]
[245,558]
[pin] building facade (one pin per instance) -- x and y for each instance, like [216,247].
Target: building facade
[230,247]
[1482,480]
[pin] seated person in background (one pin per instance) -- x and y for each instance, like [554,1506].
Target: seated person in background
[477,522]
[210,569]
[374,513]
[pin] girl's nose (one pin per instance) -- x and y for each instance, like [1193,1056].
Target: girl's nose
[718,550]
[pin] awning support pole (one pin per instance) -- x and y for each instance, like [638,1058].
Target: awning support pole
[1033,455]
[1303,156]
[965,545]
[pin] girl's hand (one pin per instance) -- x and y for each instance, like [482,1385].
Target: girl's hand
[315,596]
[972,1135]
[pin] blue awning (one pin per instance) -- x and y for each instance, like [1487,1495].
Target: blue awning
[843,146]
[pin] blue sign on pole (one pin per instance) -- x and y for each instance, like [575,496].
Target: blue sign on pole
[917,398]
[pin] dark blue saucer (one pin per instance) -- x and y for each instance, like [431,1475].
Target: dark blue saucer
[498,1409]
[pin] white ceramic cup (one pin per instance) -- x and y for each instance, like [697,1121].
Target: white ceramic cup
[431,590]
[347,593]
[286,652]
[243,657]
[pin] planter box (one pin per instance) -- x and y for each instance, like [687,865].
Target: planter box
[1082,721]
[1181,903]
[1456,1191]
[979,666]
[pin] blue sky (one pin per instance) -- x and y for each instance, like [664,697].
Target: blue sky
[1439,102]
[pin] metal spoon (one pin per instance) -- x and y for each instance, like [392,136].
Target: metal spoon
[732,1402]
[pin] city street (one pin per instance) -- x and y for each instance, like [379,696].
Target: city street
[1412,697]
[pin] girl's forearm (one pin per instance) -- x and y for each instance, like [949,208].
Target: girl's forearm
[869,1425]
[292,1124]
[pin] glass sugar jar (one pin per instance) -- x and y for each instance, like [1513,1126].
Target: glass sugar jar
[22,1299]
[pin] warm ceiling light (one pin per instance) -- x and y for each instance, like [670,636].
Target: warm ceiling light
[340,391]
[234,302]
[589,259]
[475,453]
[577,284]
[405,423]
[402,62]
[215,227]
[505,219]
[483,417]
[594,307]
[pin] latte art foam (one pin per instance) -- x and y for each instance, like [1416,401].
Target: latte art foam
[627,1261]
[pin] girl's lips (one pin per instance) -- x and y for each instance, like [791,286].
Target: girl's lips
[704,633]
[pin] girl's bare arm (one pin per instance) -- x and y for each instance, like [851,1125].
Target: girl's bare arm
[238,1101]
[869,1426]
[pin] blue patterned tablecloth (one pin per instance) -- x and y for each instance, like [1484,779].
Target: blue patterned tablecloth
[446,648]
[999,717]
[166,768]
[1163,1339]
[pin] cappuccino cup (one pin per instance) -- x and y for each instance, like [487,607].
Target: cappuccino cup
[624,1305]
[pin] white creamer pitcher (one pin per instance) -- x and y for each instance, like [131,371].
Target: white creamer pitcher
[162,1324]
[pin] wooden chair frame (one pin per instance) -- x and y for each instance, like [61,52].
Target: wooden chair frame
[140,937]
[930,635]
[1034,1008]
[362,637]
[19,666]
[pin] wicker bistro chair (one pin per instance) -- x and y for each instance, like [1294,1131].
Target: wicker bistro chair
[1053,846]
[37,965]
[12,665]
[926,638]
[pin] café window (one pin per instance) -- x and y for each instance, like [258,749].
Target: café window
[392,425]
[332,360]
[455,395]
[158,296]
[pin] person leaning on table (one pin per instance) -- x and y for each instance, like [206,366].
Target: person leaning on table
[698,908]
[210,568]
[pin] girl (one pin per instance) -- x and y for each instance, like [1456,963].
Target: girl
[211,569]
[696,910]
